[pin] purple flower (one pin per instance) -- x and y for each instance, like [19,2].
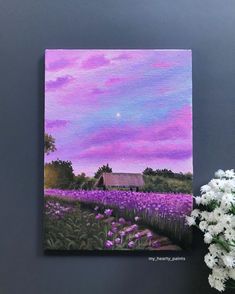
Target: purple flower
[117,240]
[137,235]
[131,244]
[110,233]
[99,216]
[108,212]
[137,218]
[149,235]
[122,220]
[108,244]
[131,228]
[114,229]
[96,208]
[122,233]
[155,244]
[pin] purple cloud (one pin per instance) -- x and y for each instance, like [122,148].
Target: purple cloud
[95,61]
[138,150]
[59,64]
[59,82]
[114,81]
[57,123]
[96,91]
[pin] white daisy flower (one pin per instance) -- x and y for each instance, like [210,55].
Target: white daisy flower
[195,213]
[220,273]
[220,173]
[227,220]
[215,229]
[203,226]
[229,187]
[208,238]
[210,260]
[205,199]
[231,273]
[216,283]
[218,228]
[204,215]
[198,200]
[211,217]
[229,234]
[190,220]
[218,213]
[229,173]
[205,188]
[226,203]
[216,184]
[229,261]
[214,249]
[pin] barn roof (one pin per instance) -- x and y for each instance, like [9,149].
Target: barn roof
[120,180]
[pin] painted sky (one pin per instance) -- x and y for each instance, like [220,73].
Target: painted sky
[128,108]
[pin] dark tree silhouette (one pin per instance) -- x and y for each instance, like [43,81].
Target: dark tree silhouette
[149,171]
[103,169]
[49,144]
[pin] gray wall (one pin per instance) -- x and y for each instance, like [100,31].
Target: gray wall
[27,27]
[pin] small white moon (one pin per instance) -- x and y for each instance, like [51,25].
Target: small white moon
[118,114]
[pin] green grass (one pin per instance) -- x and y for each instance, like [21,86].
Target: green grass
[78,228]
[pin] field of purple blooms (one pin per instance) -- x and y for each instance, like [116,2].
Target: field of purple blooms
[116,220]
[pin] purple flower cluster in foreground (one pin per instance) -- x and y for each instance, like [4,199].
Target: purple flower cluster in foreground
[128,235]
[172,206]
[56,210]
[164,211]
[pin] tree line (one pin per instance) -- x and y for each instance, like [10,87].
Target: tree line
[167,173]
[59,174]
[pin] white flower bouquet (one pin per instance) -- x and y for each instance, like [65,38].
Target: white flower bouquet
[215,217]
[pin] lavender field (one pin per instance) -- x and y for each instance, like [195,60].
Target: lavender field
[117,219]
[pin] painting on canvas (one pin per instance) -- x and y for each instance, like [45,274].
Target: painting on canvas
[118,149]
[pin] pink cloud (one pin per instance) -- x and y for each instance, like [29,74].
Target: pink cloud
[164,64]
[139,150]
[164,90]
[123,56]
[96,91]
[114,81]
[84,97]
[95,61]
[177,126]
[109,135]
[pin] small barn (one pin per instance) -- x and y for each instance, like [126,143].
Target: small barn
[127,181]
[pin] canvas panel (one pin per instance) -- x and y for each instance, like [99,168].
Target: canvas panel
[118,149]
